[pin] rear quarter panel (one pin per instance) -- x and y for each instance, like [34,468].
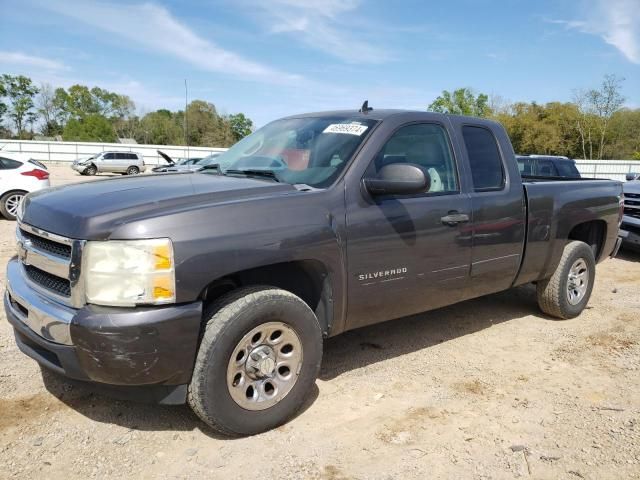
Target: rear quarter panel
[554,208]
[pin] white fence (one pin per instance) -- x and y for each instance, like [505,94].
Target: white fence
[63,152]
[67,152]
[612,169]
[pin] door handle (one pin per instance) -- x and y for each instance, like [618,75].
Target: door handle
[454,218]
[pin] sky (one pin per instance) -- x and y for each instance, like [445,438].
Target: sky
[271,58]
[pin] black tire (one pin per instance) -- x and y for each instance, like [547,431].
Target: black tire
[553,293]
[8,205]
[90,170]
[132,170]
[229,319]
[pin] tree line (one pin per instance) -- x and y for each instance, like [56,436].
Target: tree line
[594,125]
[80,113]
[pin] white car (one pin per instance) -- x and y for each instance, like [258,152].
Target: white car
[126,163]
[19,175]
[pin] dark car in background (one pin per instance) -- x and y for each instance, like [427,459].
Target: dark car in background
[547,166]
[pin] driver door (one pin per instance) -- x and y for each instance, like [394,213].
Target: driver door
[403,256]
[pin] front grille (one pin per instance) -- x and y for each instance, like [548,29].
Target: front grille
[47,245]
[632,204]
[60,286]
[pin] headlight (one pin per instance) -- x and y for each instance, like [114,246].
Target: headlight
[126,273]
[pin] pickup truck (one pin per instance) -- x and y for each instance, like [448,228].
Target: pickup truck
[216,288]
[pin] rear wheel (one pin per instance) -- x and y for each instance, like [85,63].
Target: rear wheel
[133,170]
[90,170]
[9,204]
[258,360]
[567,292]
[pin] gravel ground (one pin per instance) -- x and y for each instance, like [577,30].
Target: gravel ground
[489,388]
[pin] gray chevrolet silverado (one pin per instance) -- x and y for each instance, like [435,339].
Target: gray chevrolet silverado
[216,288]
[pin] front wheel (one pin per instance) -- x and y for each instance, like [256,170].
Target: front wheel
[567,292]
[133,170]
[90,170]
[258,360]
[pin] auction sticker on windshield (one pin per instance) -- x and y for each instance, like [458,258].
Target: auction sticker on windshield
[348,128]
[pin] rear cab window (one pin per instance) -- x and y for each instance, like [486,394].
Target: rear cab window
[525,166]
[568,169]
[487,169]
[546,168]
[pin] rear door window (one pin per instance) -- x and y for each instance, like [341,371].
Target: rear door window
[487,170]
[9,164]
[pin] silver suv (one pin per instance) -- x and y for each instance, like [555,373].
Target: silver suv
[127,163]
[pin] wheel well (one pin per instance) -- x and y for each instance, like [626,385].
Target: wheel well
[593,233]
[15,190]
[308,279]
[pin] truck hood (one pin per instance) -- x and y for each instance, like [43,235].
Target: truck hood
[631,187]
[92,210]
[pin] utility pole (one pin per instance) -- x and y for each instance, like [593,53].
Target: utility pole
[186,125]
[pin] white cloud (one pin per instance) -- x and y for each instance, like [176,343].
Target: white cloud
[617,22]
[24,60]
[322,25]
[153,27]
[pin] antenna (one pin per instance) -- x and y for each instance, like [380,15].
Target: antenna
[365,108]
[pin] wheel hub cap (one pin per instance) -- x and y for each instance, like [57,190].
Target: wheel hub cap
[264,366]
[577,282]
[13,202]
[261,362]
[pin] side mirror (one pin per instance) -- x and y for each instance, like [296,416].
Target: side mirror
[398,179]
[631,176]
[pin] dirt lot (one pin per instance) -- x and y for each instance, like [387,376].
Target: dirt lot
[490,388]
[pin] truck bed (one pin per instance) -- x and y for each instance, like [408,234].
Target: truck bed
[553,204]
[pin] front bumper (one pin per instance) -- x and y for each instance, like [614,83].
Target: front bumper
[78,168]
[114,346]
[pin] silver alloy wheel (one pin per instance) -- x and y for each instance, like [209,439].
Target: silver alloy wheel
[578,281]
[264,366]
[13,202]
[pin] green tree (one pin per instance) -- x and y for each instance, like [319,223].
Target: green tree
[161,127]
[241,126]
[20,92]
[462,101]
[90,128]
[49,110]
[3,93]
[623,135]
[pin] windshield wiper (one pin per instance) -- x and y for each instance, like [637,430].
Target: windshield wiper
[254,173]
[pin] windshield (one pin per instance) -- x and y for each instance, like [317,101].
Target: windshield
[311,150]
[208,160]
